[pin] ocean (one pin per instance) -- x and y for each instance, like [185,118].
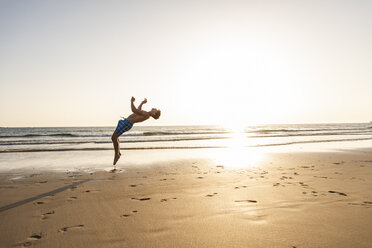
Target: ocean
[175,137]
[28,146]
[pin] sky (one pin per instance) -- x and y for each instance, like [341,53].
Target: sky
[77,63]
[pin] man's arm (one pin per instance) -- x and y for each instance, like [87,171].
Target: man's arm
[143,102]
[137,111]
[134,109]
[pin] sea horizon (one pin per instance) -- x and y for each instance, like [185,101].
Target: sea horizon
[176,125]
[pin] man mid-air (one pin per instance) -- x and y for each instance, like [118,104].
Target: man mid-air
[126,124]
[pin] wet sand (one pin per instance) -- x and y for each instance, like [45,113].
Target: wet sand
[286,200]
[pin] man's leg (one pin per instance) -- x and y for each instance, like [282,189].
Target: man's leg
[115,141]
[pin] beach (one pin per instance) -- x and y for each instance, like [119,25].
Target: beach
[287,199]
[185,124]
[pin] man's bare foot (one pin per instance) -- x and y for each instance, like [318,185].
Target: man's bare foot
[117,156]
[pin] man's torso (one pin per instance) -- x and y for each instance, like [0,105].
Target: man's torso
[137,118]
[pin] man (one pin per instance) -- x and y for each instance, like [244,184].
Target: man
[126,124]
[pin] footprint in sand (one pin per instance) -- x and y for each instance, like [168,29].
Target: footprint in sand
[252,201]
[91,190]
[303,184]
[65,229]
[165,199]
[211,195]
[31,238]
[141,199]
[127,215]
[35,237]
[200,177]
[284,177]
[45,216]
[335,192]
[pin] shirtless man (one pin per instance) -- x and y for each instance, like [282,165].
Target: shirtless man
[126,124]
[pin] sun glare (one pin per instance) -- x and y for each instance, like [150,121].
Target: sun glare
[237,154]
[238,138]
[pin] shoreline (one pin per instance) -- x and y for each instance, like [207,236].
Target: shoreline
[344,141]
[101,160]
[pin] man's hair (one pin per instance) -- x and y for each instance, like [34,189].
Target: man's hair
[157,114]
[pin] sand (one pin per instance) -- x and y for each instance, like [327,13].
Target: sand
[286,200]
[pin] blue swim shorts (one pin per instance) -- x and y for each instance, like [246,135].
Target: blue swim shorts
[123,126]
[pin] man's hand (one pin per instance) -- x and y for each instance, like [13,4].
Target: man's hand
[133,99]
[143,102]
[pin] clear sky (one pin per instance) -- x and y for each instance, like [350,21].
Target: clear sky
[77,63]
